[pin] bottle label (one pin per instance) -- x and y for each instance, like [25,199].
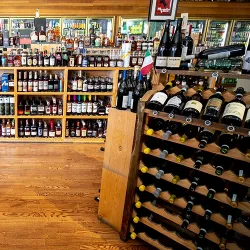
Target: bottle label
[89,108]
[246,61]
[84,132]
[58,132]
[79,108]
[112,63]
[52,61]
[52,133]
[214,103]
[45,85]
[40,85]
[34,62]
[235,109]
[174,62]
[125,102]
[74,85]
[69,107]
[219,55]
[120,63]
[12,131]
[72,62]
[78,132]
[159,97]
[85,86]
[161,61]
[74,108]
[184,51]
[194,105]
[42,38]
[84,107]
[95,108]
[174,101]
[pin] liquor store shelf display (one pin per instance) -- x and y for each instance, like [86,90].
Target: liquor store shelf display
[57,99]
[188,184]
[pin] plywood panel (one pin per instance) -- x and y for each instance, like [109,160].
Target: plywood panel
[119,142]
[112,198]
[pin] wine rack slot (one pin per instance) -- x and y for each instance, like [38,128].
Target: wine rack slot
[222,197]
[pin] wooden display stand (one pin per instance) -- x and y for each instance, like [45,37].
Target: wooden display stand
[117,157]
[134,181]
[106,72]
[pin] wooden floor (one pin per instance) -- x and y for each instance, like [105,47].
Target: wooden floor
[47,199]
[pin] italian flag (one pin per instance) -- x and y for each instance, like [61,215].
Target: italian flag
[147,63]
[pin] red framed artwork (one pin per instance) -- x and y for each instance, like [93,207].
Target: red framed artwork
[161,10]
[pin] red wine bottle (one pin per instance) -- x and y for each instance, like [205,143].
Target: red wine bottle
[227,141]
[151,144]
[221,164]
[241,170]
[201,158]
[188,132]
[166,148]
[171,129]
[214,185]
[206,136]
[155,124]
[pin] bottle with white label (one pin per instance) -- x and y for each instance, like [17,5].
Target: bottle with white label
[235,109]
[122,95]
[246,61]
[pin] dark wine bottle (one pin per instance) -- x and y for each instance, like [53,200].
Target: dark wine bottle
[246,61]
[176,103]
[195,177]
[171,129]
[213,107]
[161,60]
[227,141]
[149,161]
[166,148]
[182,153]
[221,164]
[188,132]
[147,180]
[237,193]
[155,124]
[142,197]
[141,212]
[187,42]
[194,106]
[244,146]
[235,109]
[241,170]
[201,158]
[122,94]
[141,228]
[164,169]
[151,144]
[179,174]
[214,185]
[206,136]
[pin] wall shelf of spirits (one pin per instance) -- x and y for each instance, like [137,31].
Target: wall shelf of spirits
[41,93]
[87,117]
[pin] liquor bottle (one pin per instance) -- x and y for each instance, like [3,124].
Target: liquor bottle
[151,144]
[201,158]
[46,59]
[58,129]
[58,57]
[35,82]
[171,128]
[138,93]
[27,108]
[213,107]
[90,106]
[84,105]
[74,106]
[56,83]
[54,106]
[20,82]
[27,129]
[42,35]
[193,107]
[206,136]
[29,58]
[35,58]
[159,99]
[45,80]
[83,129]
[187,42]
[92,36]
[79,81]
[89,129]
[175,49]
[25,82]
[237,193]
[6,105]
[8,128]
[12,128]
[40,129]
[69,106]
[166,148]
[33,108]
[221,164]
[50,83]
[67,129]
[176,103]
[246,63]
[52,131]
[155,124]
[227,141]
[97,85]
[122,95]
[33,130]
[118,38]
[40,82]
[188,132]
[235,110]
[21,129]
[52,58]
[45,130]
[161,61]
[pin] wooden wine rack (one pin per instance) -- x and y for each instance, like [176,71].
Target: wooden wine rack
[98,71]
[134,181]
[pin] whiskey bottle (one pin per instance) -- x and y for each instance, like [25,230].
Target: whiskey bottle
[83,129]
[48,108]
[33,108]
[95,106]
[79,105]
[25,81]
[29,58]
[40,129]
[72,129]
[8,128]
[54,106]
[42,35]
[52,58]
[35,58]
[40,108]
[69,106]
[30,81]
[12,129]
[20,82]
[33,131]
[27,129]
[60,107]
[45,80]
[79,81]
[67,129]
[56,83]
[50,83]
[46,59]
[21,129]
[58,129]
[45,130]
[89,106]
[41,86]
[35,82]
[84,105]
[78,129]
[52,132]
[74,106]
[27,108]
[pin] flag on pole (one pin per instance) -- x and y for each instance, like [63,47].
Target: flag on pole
[148,63]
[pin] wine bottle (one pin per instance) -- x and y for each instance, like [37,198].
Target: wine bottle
[141,228]
[175,48]
[122,95]
[182,153]
[241,170]
[171,129]
[201,158]
[235,109]
[166,148]
[206,136]
[227,141]
[244,146]
[141,212]
[221,164]
[188,132]
[176,103]
[179,174]
[195,177]
[163,49]
[147,180]
[187,42]
[214,185]
[246,61]
[237,193]
[149,161]
[194,106]
[159,99]
[151,144]
[142,197]
[155,124]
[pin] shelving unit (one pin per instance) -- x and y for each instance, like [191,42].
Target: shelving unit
[111,72]
[135,179]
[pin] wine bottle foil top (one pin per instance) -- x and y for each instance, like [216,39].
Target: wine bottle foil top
[159,174]
[167,134]
[157,192]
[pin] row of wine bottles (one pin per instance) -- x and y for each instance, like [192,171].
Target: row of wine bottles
[225,140]
[233,112]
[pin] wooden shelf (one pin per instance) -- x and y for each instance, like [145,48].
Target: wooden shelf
[197,122]
[85,140]
[7,116]
[91,93]
[40,68]
[99,68]
[221,197]
[40,116]
[40,93]
[7,93]
[86,117]
[38,139]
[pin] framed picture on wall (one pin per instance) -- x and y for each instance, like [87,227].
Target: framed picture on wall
[161,10]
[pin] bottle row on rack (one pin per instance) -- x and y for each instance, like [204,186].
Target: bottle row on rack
[80,105]
[80,82]
[33,82]
[41,129]
[231,113]
[86,128]
[204,136]
[7,128]
[7,105]
[50,106]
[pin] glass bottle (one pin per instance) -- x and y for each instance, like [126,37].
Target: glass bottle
[45,80]
[40,129]
[46,59]
[52,58]
[27,129]
[27,108]
[52,132]
[58,132]
[122,95]
[50,83]
[30,81]
[42,35]
[21,129]
[45,130]
[33,130]
[35,82]
[67,129]
[40,108]
[35,58]
[48,108]
[60,107]
[92,36]
[12,129]
[69,106]
[29,58]
[33,108]
[83,129]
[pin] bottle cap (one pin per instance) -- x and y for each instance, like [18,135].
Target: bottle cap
[202,144]
[234,204]
[150,131]
[133,236]
[248,155]
[223,243]
[146,150]
[224,149]
[241,178]
[183,138]
[169,84]
[159,174]
[136,219]
[172,198]
[142,188]
[219,170]
[229,226]
[179,158]
[138,204]
[167,135]
[176,179]
[144,169]
[157,192]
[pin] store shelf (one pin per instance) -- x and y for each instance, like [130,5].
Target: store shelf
[86,117]
[7,116]
[7,93]
[40,93]
[39,68]
[91,93]
[38,139]
[40,116]
[85,140]
[99,68]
